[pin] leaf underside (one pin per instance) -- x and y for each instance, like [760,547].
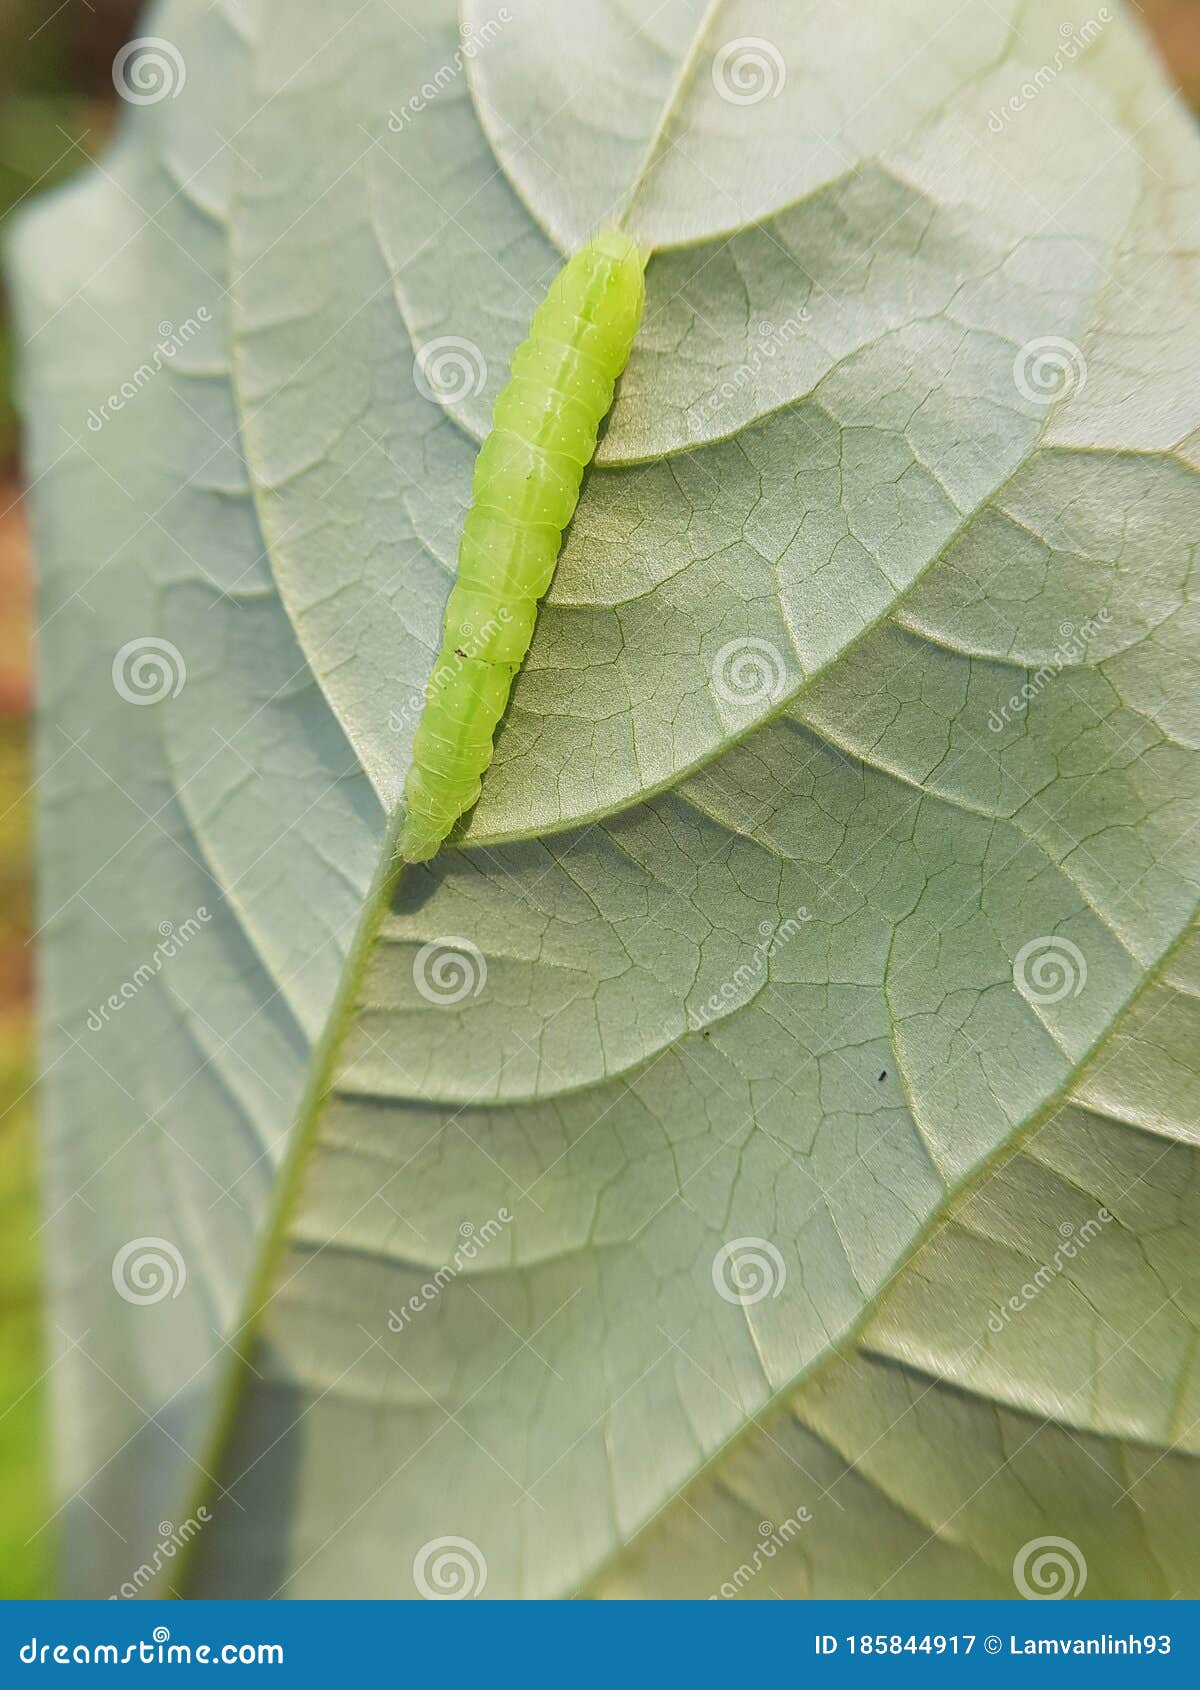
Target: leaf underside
[739,964]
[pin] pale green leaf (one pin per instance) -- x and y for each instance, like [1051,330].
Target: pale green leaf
[882,963]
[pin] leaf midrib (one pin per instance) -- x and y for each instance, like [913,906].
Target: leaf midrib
[290,1180]
[688,60]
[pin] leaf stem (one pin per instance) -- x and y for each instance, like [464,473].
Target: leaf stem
[304,1135]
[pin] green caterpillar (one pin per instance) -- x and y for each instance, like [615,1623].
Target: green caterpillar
[526,486]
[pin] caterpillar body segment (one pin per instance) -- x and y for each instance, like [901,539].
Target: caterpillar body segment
[525,489]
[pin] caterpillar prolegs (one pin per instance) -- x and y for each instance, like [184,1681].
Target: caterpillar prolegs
[525,489]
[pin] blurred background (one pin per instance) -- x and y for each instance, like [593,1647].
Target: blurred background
[56,111]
